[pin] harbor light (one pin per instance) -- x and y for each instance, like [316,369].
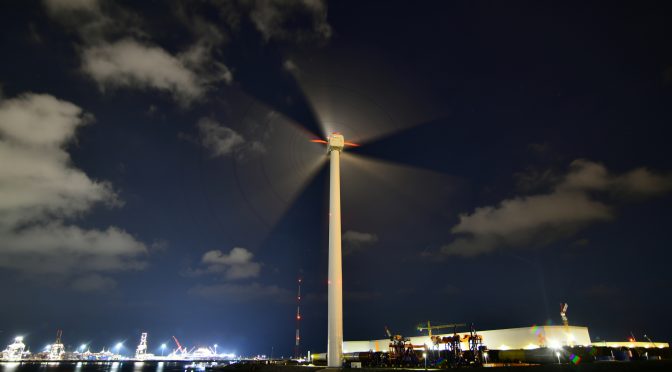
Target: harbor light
[118,346]
[82,347]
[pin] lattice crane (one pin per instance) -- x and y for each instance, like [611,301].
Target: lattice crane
[430,327]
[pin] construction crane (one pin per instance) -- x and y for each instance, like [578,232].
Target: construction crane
[57,350]
[180,348]
[141,350]
[563,314]
[389,334]
[429,327]
[565,322]
[652,343]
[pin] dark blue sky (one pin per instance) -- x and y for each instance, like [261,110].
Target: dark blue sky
[156,171]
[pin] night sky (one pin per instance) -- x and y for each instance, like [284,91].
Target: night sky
[157,174]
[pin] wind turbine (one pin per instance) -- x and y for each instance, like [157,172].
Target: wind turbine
[335,144]
[270,183]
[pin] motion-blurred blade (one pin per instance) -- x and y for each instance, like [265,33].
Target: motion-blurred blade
[362,102]
[271,181]
[260,73]
[379,194]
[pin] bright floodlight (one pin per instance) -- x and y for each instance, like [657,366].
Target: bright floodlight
[335,144]
[119,345]
[163,346]
[82,346]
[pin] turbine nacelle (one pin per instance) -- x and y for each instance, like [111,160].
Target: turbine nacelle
[335,142]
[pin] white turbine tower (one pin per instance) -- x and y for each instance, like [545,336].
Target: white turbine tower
[335,145]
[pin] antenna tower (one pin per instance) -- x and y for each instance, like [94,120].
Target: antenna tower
[297,349]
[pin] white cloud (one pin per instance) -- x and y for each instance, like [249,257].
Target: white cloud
[291,20]
[221,140]
[641,182]
[354,240]
[21,120]
[94,21]
[199,59]
[56,248]
[525,220]
[202,56]
[218,139]
[128,63]
[236,256]
[585,175]
[356,237]
[40,190]
[117,53]
[290,66]
[540,219]
[55,6]
[36,177]
[237,264]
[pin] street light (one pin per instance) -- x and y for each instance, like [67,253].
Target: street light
[163,347]
[424,355]
[82,347]
[215,349]
[557,354]
[118,346]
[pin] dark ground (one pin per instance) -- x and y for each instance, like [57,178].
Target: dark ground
[663,365]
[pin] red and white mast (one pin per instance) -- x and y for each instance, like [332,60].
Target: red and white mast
[297,349]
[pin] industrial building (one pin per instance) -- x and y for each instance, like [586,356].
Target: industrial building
[500,339]
[632,344]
